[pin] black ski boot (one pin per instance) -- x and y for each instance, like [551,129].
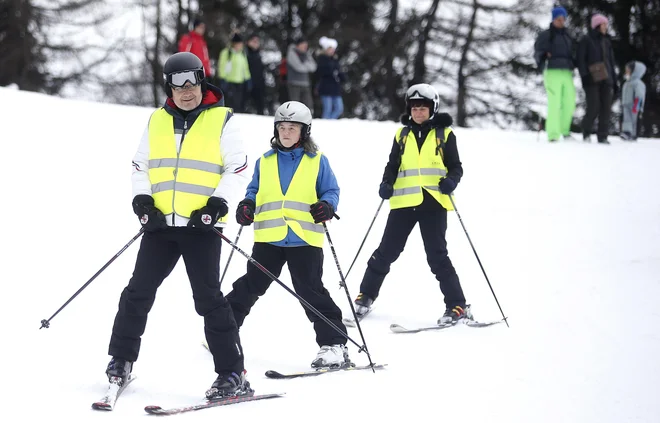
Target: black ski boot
[229,385]
[363,304]
[454,314]
[119,370]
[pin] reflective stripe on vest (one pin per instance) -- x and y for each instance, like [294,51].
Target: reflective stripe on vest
[420,170]
[276,212]
[182,183]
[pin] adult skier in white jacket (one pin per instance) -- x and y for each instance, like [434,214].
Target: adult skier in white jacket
[190,163]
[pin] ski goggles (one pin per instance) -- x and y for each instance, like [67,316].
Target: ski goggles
[420,92]
[179,79]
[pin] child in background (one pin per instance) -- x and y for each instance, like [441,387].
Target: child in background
[632,99]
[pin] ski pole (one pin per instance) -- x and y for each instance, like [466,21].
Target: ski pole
[45,323]
[231,253]
[301,299]
[451,197]
[342,283]
[350,302]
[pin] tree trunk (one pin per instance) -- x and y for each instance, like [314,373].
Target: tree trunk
[156,69]
[461,98]
[419,72]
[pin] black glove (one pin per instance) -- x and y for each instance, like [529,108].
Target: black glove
[245,212]
[447,185]
[386,190]
[321,211]
[206,217]
[151,218]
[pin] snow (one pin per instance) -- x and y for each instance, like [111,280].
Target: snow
[568,234]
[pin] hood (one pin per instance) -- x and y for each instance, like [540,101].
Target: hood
[440,120]
[638,71]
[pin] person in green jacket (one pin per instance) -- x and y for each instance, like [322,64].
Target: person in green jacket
[234,74]
[554,54]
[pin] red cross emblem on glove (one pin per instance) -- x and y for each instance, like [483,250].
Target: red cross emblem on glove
[144,219]
[206,219]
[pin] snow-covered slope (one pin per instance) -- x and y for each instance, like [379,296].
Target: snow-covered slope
[568,234]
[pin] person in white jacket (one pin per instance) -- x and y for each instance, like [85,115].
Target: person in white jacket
[189,165]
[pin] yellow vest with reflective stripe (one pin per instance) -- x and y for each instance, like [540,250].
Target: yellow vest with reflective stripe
[182,183]
[420,170]
[275,212]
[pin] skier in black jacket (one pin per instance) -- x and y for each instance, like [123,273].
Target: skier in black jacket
[423,170]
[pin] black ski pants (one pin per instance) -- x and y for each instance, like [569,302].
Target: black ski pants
[599,105]
[158,254]
[433,226]
[306,267]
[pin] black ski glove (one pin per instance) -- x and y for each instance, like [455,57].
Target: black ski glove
[386,190]
[447,185]
[321,211]
[245,212]
[151,218]
[206,217]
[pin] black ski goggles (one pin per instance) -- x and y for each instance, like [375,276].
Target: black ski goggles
[179,79]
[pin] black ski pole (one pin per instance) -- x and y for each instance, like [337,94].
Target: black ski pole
[274,278]
[231,253]
[342,283]
[45,323]
[477,256]
[350,302]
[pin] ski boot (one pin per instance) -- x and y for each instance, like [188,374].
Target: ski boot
[363,304]
[229,385]
[454,315]
[119,371]
[332,356]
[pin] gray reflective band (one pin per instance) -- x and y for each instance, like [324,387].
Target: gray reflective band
[424,171]
[407,191]
[162,186]
[267,224]
[309,226]
[297,205]
[276,205]
[182,187]
[432,187]
[275,223]
[186,164]
[433,171]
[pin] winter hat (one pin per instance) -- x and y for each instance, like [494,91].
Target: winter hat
[327,43]
[559,11]
[197,22]
[597,20]
[237,38]
[299,40]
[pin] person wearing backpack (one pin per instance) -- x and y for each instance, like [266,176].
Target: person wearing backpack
[423,170]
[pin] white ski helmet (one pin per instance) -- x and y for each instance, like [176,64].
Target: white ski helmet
[423,92]
[295,111]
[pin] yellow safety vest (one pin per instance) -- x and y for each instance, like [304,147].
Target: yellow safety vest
[275,212]
[420,170]
[182,183]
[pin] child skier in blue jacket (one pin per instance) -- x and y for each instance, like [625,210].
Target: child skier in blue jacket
[293,190]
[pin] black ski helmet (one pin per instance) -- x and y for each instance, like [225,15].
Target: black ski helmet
[182,62]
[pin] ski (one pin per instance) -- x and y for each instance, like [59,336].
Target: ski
[272,374]
[350,322]
[471,323]
[107,403]
[158,410]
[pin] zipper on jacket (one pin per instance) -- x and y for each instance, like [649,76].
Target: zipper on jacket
[176,167]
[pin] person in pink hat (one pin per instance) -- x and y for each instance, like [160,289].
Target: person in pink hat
[596,65]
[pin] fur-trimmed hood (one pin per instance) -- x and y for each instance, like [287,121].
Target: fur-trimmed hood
[440,120]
